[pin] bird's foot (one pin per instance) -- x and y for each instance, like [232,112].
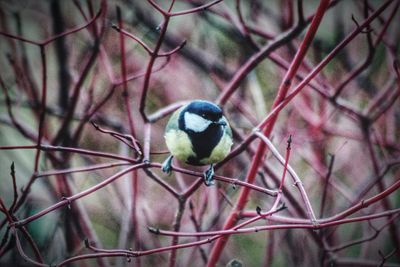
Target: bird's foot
[167,165]
[208,176]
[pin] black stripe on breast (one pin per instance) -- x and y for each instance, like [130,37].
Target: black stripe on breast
[204,142]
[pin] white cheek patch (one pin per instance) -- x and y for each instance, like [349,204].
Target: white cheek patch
[195,122]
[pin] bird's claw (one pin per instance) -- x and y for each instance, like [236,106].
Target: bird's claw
[167,165]
[208,176]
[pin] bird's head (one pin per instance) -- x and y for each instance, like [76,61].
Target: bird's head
[200,115]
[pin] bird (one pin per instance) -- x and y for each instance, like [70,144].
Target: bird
[198,134]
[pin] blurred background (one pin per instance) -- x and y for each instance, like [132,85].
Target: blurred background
[344,125]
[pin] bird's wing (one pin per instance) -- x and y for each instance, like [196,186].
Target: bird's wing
[173,123]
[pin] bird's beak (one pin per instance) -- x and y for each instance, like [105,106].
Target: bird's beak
[221,122]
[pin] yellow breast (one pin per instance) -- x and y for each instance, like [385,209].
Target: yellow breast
[178,143]
[180,146]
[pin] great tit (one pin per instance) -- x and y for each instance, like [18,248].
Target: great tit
[198,134]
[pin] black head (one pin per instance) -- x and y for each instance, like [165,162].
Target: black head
[205,109]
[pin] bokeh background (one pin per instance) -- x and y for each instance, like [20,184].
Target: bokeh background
[345,129]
